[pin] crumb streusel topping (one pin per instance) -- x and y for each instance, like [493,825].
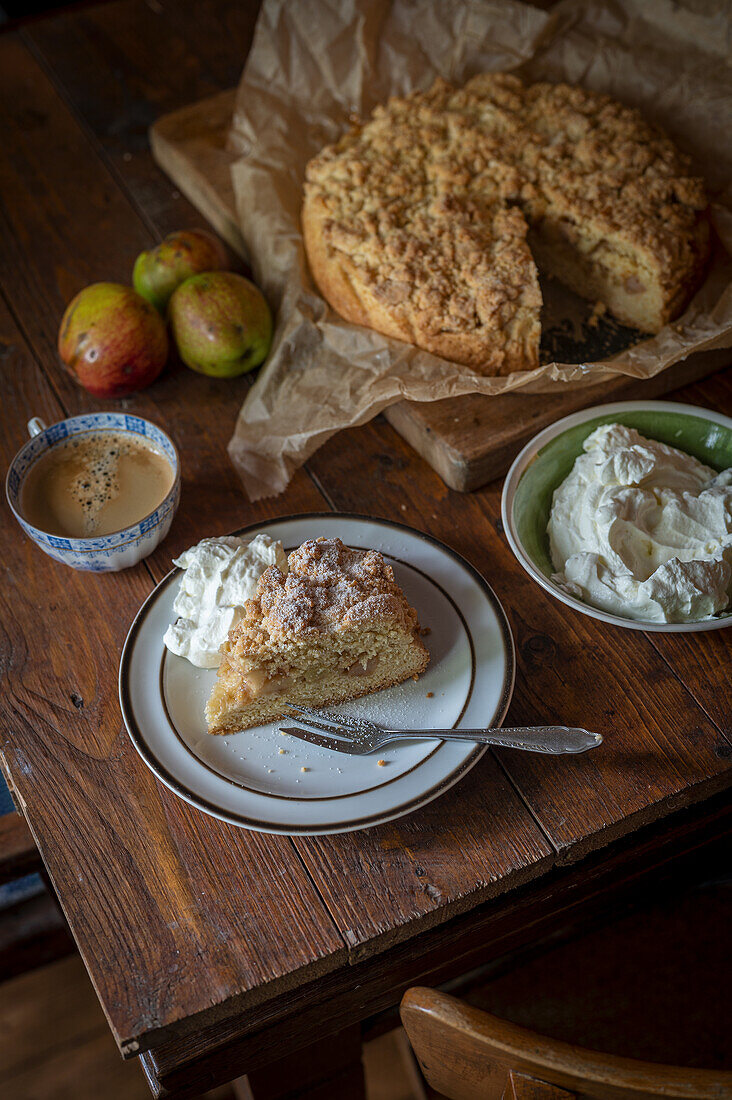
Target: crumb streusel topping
[416,222]
[335,627]
[328,588]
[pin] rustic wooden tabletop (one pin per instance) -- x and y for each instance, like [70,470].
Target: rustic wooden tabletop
[211,948]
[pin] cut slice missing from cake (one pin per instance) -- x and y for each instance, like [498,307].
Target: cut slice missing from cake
[427,221]
[337,626]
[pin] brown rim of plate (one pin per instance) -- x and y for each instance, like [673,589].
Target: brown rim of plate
[325,827]
[331,797]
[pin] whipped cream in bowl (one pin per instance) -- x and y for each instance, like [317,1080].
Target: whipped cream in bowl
[643,530]
[624,512]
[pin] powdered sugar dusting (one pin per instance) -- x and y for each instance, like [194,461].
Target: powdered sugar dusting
[329,588]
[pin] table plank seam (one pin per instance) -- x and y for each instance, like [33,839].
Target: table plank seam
[17,321]
[97,147]
[522,797]
[321,488]
[42,61]
[113,101]
[316,888]
[726,734]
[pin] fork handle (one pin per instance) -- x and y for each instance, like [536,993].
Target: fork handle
[550,739]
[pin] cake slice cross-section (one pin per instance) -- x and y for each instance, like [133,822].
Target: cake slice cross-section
[335,627]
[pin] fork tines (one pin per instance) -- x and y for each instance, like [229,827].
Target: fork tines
[342,724]
[324,742]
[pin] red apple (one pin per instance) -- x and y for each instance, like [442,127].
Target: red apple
[112,341]
[158,272]
[221,323]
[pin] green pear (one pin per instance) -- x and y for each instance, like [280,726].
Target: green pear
[157,273]
[221,324]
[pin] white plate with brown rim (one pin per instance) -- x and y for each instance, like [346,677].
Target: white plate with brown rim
[262,780]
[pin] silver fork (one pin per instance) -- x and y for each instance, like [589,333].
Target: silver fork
[358,736]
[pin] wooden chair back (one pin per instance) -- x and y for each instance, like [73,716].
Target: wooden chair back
[467,1054]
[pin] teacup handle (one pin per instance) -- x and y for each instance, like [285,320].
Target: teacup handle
[36,426]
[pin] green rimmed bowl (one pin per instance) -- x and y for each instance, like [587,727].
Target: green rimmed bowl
[546,461]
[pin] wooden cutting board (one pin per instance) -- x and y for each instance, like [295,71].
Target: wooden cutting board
[467,440]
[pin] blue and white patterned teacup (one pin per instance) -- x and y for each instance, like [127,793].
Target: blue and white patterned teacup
[107,553]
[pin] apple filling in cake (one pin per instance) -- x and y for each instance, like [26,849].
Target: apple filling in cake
[335,627]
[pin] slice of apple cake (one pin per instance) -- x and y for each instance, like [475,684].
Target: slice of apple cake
[335,627]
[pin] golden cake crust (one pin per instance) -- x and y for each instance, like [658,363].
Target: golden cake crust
[335,612]
[415,223]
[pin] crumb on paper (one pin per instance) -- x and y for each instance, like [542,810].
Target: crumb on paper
[598,309]
[270,770]
[284,733]
[304,769]
[430,694]
[281,752]
[381,763]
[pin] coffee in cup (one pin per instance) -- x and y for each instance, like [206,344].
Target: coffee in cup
[94,484]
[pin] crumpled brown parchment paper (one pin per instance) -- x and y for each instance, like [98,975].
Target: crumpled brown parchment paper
[314,64]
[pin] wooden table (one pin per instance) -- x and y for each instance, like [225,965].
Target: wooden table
[215,951]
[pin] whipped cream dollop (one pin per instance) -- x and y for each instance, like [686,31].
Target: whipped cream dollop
[642,530]
[220,575]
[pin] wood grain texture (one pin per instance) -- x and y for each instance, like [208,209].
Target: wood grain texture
[18,853]
[41,261]
[467,440]
[409,875]
[660,751]
[180,141]
[467,1054]
[521,1087]
[217,946]
[565,899]
[122,852]
[155,59]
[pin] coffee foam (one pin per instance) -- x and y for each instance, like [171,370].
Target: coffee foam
[98,482]
[80,481]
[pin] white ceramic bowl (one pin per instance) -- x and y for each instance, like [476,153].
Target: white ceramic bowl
[107,553]
[546,461]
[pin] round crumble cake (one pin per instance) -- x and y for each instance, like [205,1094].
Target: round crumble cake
[425,222]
